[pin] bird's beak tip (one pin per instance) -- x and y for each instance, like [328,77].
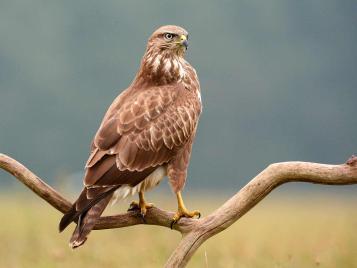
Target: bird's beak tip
[184,41]
[185,44]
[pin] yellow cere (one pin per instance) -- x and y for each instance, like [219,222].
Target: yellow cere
[183,37]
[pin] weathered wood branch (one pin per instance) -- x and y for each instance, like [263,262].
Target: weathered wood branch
[195,232]
[154,216]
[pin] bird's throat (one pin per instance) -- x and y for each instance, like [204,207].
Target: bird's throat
[162,68]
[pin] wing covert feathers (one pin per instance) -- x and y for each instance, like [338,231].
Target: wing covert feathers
[147,130]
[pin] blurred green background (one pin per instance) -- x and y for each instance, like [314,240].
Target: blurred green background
[278,81]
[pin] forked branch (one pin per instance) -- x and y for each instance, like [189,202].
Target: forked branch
[194,231]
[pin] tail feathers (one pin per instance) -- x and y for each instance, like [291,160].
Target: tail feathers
[87,221]
[73,213]
[86,212]
[84,205]
[68,218]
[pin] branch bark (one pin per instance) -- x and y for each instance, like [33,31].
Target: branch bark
[195,232]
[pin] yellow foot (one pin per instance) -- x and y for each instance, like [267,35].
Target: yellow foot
[143,206]
[183,212]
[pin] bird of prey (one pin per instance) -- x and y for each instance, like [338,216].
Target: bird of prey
[146,134]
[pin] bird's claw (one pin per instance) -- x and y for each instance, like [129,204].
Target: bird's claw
[142,207]
[133,206]
[186,214]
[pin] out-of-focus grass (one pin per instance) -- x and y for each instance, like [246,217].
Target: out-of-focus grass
[297,231]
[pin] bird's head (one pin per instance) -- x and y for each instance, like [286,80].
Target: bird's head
[163,61]
[169,39]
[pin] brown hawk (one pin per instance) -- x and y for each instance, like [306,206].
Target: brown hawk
[146,134]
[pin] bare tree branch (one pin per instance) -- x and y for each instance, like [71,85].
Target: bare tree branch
[196,232]
[251,194]
[154,216]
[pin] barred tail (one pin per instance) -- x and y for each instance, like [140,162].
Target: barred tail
[86,211]
[86,222]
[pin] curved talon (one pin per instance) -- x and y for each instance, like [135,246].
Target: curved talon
[142,206]
[184,213]
[133,206]
[172,224]
[142,217]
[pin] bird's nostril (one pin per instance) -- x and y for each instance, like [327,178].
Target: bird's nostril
[183,37]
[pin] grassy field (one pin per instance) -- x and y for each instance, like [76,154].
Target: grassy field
[306,230]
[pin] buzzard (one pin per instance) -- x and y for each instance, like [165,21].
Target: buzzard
[146,134]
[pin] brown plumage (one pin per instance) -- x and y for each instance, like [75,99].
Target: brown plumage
[146,133]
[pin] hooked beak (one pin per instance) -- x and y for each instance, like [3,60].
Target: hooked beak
[184,41]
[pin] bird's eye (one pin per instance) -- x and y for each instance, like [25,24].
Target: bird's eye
[168,36]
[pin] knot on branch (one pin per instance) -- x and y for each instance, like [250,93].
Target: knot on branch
[352,161]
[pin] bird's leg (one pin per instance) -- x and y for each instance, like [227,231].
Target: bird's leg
[142,205]
[182,210]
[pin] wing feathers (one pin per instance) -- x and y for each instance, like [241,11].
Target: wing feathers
[93,174]
[146,131]
[126,151]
